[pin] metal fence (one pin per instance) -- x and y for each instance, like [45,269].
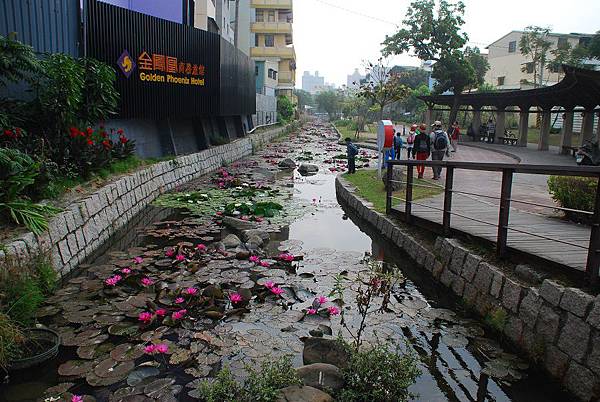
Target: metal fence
[504,200]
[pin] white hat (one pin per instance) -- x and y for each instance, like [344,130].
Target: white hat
[436,123]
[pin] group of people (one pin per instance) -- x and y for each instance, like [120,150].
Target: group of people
[419,145]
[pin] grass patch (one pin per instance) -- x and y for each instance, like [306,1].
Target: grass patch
[347,130]
[533,137]
[371,188]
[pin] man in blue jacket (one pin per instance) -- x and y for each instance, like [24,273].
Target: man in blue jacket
[398,145]
[351,152]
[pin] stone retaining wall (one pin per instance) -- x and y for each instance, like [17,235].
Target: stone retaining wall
[555,326]
[81,229]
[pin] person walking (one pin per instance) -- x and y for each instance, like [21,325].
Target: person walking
[351,152]
[398,145]
[454,136]
[421,148]
[410,140]
[440,146]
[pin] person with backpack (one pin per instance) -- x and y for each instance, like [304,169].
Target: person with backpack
[398,145]
[410,140]
[440,147]
[454,136]
[421,148]
[351,153]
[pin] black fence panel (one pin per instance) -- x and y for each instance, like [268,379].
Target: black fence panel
[238,87]
[49,26]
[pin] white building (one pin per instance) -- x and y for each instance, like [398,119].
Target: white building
[312,83]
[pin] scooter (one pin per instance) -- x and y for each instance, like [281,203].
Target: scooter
[588,154]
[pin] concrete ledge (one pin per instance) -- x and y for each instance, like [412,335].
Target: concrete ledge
[556,327]
[84,226]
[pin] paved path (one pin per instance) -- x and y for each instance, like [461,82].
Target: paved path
[523,217]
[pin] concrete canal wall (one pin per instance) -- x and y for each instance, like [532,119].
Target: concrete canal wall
[557,327]
[80,230]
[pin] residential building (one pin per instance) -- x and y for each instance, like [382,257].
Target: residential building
[510,69]
[267,77]
[353,80]
[310,83]
[214,16]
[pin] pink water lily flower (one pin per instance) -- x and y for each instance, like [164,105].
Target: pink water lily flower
[161,312]
[258,219]
[322,299]
[170,253]
[138,260]
[277,291]
[180,300]
[162,348]
[333,310]
[286,257]
[113,280]
[126,271]
[235,298]
[178,315]
[145,317]
[77,398]
[180,257]
[269,285]
[311,311]
[191,291]
[149,349]
[219,213]
[147,282]
[264,264]
[201,247]
[254,259]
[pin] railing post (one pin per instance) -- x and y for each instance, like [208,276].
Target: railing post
[507,178]
[593,258]
[448,199]
[409,190]
[389,186]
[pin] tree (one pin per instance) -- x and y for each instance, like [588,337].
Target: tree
[434,33]
[594,47]
[478,62]
[533,44]
[382,88]
[305,98]
[357,107]
[329,102]
[285,108]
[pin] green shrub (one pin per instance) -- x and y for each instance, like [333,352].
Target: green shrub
[285,109]
[497,319]
[262,385]
[574,193]
[10,338]
[382,373]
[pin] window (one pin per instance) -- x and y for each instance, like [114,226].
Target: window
[272,74]
[269,41]
[585,41]
[563,43]
[271,16]
[256,41]
[256,70]
[500,81]
[260,16]
[529,68]
[512,46]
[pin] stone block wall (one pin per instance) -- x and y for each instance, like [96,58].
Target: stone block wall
[557,327]
[83,227]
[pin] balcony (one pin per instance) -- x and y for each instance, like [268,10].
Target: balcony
[281,52]
[272,4]
[271,27]
[286,77]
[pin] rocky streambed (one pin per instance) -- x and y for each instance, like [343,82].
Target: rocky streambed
[241,270]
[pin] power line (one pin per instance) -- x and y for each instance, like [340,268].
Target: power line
[358,13]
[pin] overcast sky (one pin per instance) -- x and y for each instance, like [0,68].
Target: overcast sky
[335,41]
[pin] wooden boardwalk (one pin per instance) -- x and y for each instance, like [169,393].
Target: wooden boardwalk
[487,211]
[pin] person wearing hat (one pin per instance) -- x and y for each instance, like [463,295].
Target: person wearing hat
[439,147]
[421,148]
[410,140]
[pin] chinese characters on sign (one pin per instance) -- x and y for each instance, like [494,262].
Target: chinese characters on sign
[161,68]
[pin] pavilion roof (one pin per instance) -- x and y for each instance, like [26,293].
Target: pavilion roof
[579,87]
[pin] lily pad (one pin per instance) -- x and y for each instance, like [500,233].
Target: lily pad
[127,352]
[141,374]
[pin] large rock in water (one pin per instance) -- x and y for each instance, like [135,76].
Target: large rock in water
[320,350]
[231,241]
[238,224]
[302,394]
[263,234]
[397,178]
[287,164]
[321,375]
[308,168]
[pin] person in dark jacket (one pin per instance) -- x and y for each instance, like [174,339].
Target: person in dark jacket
[398,145]
[421,148]
[351,152]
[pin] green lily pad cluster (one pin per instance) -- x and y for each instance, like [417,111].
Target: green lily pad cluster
[262,209]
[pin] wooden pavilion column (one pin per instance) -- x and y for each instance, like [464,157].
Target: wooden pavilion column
[429,116]
[500,123]
[566,139]
[587,125]
[476,122]
[523,125]
[544,141]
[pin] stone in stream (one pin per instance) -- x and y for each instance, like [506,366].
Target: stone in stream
[287,164]
[231,241]
[397,177]
[308,169]
[302,394]
[263,234]
[238,224]
[241,253]
[320,350]
[322,376]
[255,241]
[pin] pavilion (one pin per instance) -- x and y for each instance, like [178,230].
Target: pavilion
[578,92]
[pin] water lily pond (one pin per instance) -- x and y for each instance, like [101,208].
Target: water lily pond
[237,268]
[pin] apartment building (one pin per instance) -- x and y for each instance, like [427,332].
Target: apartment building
[507,62]
[214,16]
[311,83]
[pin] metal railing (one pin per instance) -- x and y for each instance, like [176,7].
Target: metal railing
[505,199]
